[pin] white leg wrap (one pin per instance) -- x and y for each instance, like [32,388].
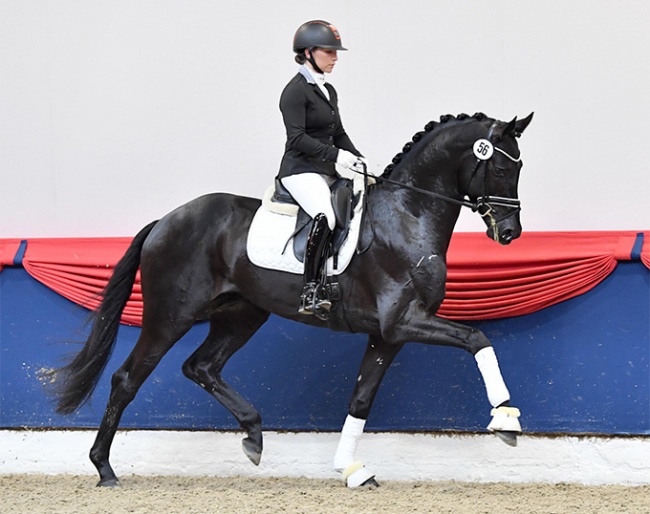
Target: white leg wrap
[350,435]
[497,391]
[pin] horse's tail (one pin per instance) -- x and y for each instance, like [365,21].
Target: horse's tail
[75,382]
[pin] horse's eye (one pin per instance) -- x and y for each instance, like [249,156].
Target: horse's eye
[498,171]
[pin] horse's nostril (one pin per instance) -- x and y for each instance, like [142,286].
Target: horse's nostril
[507,236]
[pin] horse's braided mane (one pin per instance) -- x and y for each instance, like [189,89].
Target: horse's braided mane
[429,127]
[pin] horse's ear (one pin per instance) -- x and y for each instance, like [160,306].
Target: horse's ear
[521,125]
[510,128]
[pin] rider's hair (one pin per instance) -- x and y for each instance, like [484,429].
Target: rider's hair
[300,57]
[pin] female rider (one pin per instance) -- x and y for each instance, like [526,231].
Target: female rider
[316,141]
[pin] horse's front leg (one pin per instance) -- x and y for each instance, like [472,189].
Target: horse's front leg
[417,326]
[376,360]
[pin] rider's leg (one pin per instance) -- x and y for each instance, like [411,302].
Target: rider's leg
[312,192]
[314,298]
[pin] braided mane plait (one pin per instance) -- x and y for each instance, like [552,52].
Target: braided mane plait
[429,127]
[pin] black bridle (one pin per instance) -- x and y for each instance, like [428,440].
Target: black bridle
[483,149]
[486,200]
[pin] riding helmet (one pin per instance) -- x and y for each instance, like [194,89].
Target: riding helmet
[317,34]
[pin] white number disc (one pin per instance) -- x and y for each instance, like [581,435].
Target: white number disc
[483,149]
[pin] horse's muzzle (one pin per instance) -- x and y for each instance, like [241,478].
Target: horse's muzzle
[506,234]
[507,237]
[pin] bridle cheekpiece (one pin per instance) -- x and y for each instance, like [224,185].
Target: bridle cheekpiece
[483,151]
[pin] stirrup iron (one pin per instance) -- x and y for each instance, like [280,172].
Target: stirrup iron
[314,300]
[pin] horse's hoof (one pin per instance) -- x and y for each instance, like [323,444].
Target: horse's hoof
[510,438]
[371,483]
[357,475]
[109,482]
[252,450]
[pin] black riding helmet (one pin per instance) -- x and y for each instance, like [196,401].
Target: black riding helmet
[317,34]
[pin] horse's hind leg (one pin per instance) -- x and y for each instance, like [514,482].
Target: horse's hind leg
[151,346]
[230,328]
[378,357]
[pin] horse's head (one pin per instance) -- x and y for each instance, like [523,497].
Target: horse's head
[492,175]
[470,161]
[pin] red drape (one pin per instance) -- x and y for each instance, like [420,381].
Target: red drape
[8,249]
[79,268]
[485,280]
[645,253]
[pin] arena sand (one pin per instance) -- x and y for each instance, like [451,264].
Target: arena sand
[67,494]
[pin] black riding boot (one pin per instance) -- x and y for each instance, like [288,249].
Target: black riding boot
[314,298]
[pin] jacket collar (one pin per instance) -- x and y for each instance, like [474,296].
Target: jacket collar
[305,72]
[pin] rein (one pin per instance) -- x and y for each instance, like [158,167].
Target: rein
[463,203]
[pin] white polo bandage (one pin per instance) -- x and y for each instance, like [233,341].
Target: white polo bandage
[350,435]
[497,392]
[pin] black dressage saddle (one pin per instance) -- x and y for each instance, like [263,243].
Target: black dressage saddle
[343,201]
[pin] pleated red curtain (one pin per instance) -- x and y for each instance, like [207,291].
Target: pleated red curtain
[485,280]
[79,269]
[645,252]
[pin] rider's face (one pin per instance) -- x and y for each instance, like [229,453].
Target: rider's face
[325,59]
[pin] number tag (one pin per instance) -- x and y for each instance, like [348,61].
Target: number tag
[483,149]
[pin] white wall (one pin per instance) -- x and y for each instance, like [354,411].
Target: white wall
[393,456]
[114,112]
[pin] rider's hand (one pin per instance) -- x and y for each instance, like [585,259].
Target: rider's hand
[346,163]
[346,159]
[360,167]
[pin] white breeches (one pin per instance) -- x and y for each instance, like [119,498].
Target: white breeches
[312,192]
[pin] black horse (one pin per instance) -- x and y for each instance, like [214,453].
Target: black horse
[194,267]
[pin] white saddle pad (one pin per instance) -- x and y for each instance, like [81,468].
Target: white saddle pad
[271,229]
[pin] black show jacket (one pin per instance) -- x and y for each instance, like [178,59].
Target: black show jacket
[314,128]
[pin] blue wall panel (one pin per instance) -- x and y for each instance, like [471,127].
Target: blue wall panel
[580,366]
